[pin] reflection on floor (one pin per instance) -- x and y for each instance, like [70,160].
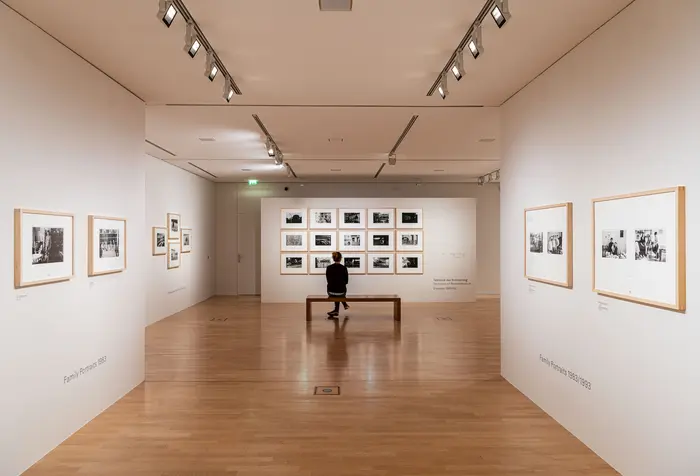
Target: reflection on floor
[230,391]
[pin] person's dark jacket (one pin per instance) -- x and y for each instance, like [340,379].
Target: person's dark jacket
[337,278]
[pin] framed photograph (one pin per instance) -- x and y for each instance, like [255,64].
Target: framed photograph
[294,241]
[380,240]
[356,263]
[549,244]
[173,227]
[174,254]
[323,218]
[409,218]
[293,219]
[639,248]
[186,240]
[318,262]
[44,247]
[106,245]
[381,218]
[294,263]
[352,240]
[159,239]
[409,240]
[409,263]
[323,241]
[352,218]
[380,263]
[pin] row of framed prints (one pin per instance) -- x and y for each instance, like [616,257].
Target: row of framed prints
[351,240]
[171,240]
[350,218]
[638,246]
[356,263]
[45,246]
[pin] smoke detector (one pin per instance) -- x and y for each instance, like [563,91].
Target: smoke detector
[207,139]
[335,5]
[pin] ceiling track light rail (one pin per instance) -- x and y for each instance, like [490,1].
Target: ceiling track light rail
[270,145]
[406,130]
[498,10]
[195,39]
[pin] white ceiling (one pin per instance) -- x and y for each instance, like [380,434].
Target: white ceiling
[312,76]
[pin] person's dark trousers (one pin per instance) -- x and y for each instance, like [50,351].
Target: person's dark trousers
[337,303]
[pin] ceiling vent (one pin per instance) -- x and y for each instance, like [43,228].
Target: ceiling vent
[207,139]
[487,139]
[335,5]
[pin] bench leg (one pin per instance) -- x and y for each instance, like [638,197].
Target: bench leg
[397,311]
[308,311]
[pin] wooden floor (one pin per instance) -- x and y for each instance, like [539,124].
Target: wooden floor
[229,391]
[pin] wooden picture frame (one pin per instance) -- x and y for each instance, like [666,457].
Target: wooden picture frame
[173,231]
[652,208]
[312,259]
[120,258]
[303,264]
[561,210]
[400,270]
[155,251]
[409,218]
[186,240]
[22,259]
[173,261]
[408,248]
[363,263]
[381,218]
[329,213]
[358,218]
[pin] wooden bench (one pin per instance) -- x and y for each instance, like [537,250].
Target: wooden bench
[356,298]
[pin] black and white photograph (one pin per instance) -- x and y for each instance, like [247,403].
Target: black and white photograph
[294,263]
[323,240]
[352,262]
[186,240]
[409,218]
[381,218]
[294,240]
[47,245]
[109,243]
[293,218]
[352,240]
[409,263]
[650,245]
[380,240]
[555,243]
[159,241]
[323,218]
[352,218]
[614,244]
[536,245]
[381,262]
[355,263]
[318,262]
[322,262]
[409,240]
[173,220]
[174,254]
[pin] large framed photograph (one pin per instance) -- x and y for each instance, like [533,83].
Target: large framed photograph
[549,244]
[409,263]
[294,263]
[352,240]
[159,240]
[380,263]
[352,218]
[409,218]
[186,240]
[106,245]
[318,262]
[409,240]
[44,247]
[174,254]
[173,226]
[294,241]
[323,218]
[323,241]
[380,240]
[293,219]
[381,218]
[356,263]
[639,247]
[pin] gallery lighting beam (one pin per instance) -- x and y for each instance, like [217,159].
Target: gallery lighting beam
[270,148]
[192,43]
[458,66]
[228,89]
[212,68]
[474,44]
[279,158]
[442,88]
[270,145]
[500,12]
[167,12]
[404,133]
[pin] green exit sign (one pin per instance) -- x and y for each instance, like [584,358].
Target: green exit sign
[252,181]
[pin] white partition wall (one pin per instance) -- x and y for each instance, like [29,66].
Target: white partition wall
[619,114]
[449,251]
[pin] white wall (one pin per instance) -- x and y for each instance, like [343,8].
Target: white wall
[70,140]
[618,114]
[172,190]
[449,251]
[238,218]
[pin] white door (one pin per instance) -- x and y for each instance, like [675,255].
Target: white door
[248,254]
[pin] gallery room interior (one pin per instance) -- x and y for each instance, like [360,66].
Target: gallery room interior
[502,192]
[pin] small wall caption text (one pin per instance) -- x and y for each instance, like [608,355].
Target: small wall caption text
[567,373]
[84,370]
[449,284]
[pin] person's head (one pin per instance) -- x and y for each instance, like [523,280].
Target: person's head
[337,256]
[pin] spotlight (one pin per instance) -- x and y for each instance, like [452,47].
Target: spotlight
[442,89]
[212,68]
[279,159]
[228,90]
[392,159]
[167,12]
[474,44]
[270,148]
[500,12]
[458,66]
[192,43]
